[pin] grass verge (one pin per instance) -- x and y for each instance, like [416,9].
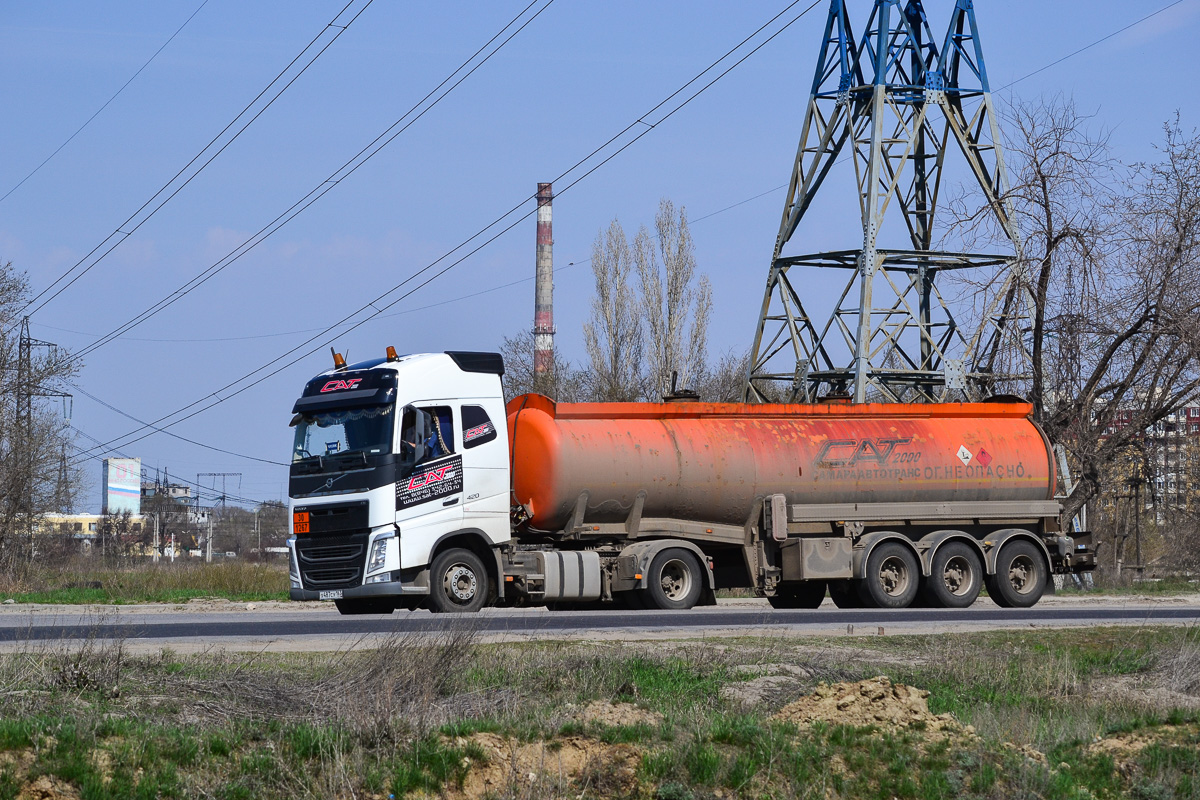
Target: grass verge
[1051,714]
[87,582]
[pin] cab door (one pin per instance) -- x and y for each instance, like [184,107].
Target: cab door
[429,497]
[485,458]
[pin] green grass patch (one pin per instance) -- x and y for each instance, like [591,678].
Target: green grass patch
[89,584]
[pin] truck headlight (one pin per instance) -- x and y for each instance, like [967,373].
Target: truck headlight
[293,565]
[378,553]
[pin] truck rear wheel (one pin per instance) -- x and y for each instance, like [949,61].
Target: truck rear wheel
[1020,576]
[806,594]
[891,578]
[674,581]
[955,576]
[458,581]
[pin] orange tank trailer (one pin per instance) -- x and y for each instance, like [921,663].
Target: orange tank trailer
[710,461]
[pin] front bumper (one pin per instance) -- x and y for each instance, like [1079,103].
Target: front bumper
[411,584]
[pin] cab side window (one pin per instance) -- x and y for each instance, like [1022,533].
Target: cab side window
[441,439]
[477,427]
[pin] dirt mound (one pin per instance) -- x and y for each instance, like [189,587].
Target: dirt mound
[546,768]
[48,788]
[1124,748]
[607,713]
[876,701]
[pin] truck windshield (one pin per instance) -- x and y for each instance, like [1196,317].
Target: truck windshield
[328,433]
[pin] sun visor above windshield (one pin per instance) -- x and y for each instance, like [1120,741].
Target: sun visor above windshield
[352,399]
[347,389]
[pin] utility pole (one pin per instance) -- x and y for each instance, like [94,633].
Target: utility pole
[214,475]
[898,103]
[27,388]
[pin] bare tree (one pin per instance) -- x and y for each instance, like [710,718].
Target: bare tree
[724,381]
[1112,256]
[564,383]
[31,447]
[613,335]
[675,306]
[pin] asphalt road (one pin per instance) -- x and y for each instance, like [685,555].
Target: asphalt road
[312,627]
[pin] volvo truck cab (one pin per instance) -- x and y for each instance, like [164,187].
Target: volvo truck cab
[396,462]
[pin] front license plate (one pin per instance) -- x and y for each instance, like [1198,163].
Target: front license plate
[335,594]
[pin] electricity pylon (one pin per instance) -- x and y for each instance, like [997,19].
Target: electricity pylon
[898,102]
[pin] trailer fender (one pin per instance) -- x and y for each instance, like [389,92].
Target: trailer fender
[928,547]
[996,540]
[864,546]
[644,552]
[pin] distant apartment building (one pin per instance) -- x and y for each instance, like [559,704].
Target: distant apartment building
[1165,472]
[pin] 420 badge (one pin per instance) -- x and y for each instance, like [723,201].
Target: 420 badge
[429,481]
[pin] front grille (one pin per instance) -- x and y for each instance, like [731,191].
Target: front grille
[332,562]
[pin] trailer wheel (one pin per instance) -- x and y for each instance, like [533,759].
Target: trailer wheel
[674,581]
[891,578]
[369,606]
[806,594]
[458,581]
[1020,576]
[845,594]
[955,576]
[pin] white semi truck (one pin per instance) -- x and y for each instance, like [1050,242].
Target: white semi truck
[412,484]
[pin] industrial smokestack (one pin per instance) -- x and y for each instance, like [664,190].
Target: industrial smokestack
[543,298]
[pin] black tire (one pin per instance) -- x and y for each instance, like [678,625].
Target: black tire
[891,578]
[1020,577]
[674,582]
[806,594]
[845,594]
[366,606]
[955,576]
[458,582]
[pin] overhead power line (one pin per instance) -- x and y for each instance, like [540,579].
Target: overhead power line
[172,434]
[416,112]
[107,102]
[380,141]
[179,479]
[645,123]
[513,283]
[175,185]
[1101,40]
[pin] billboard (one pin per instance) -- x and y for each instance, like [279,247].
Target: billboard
[122,485]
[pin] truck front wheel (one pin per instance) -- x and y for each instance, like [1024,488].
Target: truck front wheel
[458,581]
[1020,576]
[674,581]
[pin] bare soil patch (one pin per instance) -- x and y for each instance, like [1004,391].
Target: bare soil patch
[514,769]
[876,701]
[48,788]
[606,713]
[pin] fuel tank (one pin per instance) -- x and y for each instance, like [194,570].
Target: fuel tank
[710,461]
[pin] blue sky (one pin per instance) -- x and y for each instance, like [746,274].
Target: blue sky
[574,77]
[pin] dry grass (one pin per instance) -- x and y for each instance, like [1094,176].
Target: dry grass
[83,580]
[425,712]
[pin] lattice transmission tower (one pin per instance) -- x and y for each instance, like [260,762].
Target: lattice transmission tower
[900,103]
